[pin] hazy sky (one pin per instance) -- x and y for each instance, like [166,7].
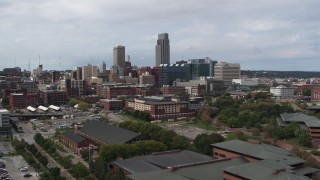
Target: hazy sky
[258,34]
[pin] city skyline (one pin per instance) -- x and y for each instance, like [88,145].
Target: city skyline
[259,35]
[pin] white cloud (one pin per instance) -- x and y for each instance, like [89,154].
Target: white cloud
[236,31]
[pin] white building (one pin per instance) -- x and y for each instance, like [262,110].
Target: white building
[246,82]
[282,91]
[4,118]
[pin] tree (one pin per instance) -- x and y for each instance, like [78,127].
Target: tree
[84,106]
[203,142]
[179,142]
[79,170]
[72,102]
[304,139]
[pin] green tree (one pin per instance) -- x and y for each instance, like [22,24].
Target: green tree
[79,170]
[203,142]
[179,142]
[84,106]
[72,102]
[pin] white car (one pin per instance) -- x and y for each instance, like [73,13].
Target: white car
[23,169]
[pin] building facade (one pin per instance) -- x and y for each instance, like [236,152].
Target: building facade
[161,108]
[163,49]
[282,91]
[119,56]
[226,72]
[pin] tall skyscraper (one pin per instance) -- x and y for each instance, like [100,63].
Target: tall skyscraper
[89,71]
[119,56]
[163,49]
[103,67]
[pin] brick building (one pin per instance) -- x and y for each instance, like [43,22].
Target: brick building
[165,90]
[112,104]
[74,142]
[161,108]
[21,100]
[311,123]
[54,97]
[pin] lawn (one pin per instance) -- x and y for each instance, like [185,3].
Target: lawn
[203,126]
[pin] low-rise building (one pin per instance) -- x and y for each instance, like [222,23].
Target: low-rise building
[112,104]
[103,133]
[5,127]
[271,161]
[74,142]
[282,91]
[161,108]
[158,161]
[310,123]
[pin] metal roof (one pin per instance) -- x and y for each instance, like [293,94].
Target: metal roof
[107,133]
[74,137]
[310,121]
[260,151]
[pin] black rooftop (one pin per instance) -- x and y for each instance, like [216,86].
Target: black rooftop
[74,137]
[106,133]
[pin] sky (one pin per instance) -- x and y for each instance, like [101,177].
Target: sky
[260,35]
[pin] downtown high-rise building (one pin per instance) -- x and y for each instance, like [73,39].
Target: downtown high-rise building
[163,49]
[119,56]
[103,67]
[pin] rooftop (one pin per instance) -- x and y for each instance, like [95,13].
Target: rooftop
[310,121]
[161,160]
[267,171]
[107,133]
[74,137]
[260,151]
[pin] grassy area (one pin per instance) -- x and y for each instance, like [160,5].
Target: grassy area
[294,141]
[231,136]
[203,126]
[130,118]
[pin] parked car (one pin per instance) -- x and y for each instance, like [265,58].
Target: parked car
[27,175]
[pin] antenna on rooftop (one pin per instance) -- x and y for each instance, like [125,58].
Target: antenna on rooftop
[39,59]
[29,65]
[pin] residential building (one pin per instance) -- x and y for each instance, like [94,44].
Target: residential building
[161,108]
[21,100]
[112,104]
[115,91]
[226,72]
[163,49]
[315,93]
[53,97]
[173,90]
[282,92]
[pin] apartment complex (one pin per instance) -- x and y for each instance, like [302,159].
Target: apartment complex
[161,108]
[282,91]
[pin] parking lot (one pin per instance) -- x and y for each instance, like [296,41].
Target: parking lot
[13,163]
[6,147]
